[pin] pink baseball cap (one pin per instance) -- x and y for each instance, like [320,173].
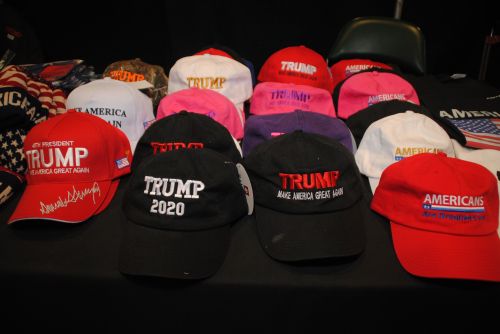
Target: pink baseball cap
[206,102]
[364,89]
[277,98]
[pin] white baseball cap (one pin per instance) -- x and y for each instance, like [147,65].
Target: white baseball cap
[222,74]
[396,137]
[488,158]
[117,103]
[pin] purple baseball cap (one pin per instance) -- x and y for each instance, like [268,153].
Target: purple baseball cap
[259,128]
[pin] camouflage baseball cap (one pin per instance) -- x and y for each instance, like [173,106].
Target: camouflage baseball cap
[151,79]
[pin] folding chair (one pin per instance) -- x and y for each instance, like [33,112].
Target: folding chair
[381,39]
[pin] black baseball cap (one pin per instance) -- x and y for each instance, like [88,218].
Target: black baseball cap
[360,121]
[308,194]
[19,109]
[186,130]
[179,207]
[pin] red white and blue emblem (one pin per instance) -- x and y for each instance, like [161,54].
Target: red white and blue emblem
[453,203]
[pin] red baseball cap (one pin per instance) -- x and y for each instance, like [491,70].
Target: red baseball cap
[74,164]
[347,67]
[299,65]
[444,221]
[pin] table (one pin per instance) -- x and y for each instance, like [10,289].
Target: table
[61,276]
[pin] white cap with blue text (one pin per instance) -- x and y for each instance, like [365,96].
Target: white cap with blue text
[117,103]
[395,137]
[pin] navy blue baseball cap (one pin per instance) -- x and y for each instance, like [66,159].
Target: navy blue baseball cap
[18,109]
[10,184]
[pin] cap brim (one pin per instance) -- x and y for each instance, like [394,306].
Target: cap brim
[438,255]
[10,185]
[374,181]
[154,252]
[241,113]
[109,196]
[133,144]
[299,237]
[66,203]
[143,84]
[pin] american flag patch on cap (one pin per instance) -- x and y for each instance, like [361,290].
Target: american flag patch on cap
[122,163]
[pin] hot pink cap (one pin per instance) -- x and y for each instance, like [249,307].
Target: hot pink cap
[366,88]
[206,102]
[277,98]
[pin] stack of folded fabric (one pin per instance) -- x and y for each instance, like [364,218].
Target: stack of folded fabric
[23,104]
[65,74]
[50,98]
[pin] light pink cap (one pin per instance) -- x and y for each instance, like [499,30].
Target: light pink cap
[277,98]
[206,102]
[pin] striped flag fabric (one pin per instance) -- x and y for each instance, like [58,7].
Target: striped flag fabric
[52,99]
[480,132]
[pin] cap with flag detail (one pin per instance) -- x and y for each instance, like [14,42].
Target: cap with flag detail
[444,221]
[74,161]
[117,103]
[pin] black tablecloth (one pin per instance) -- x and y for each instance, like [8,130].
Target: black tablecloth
[65,276]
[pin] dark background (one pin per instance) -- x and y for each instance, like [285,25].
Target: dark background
[161,32]
[68,278]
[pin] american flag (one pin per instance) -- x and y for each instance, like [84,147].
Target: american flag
[480,132]
[54,100]
[11,150]
[122,163]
